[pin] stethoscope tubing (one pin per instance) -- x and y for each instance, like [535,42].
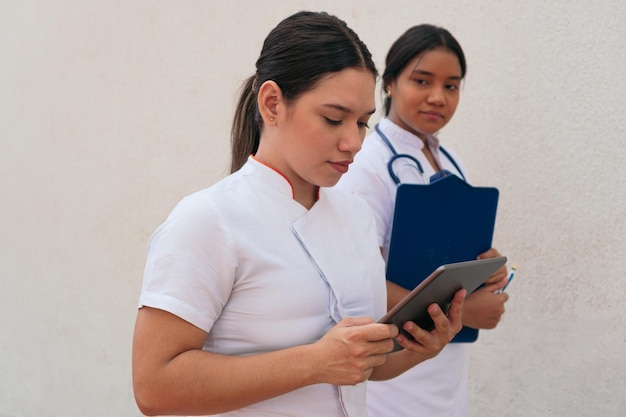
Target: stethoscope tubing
[395,156]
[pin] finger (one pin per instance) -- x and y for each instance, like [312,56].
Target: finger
[442,324]
[356,321]
[455,312]
[493,287]
[381,347]
[421,336]
[376,360]
[499,275]
[378,331]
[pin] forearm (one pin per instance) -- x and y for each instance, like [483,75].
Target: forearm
[398,363]
[395,293]
[198,382]
[173,376]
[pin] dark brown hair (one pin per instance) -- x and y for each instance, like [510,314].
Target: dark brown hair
[298,52]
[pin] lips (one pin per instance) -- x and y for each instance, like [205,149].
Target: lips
[341,167]
[434,115]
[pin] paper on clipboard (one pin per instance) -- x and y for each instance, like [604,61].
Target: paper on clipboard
[444,222]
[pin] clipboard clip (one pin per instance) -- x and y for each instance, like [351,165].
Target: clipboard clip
[440,175]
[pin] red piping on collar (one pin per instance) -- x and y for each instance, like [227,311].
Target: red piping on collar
[293,196]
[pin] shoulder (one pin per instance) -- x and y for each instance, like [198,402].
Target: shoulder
[200,215]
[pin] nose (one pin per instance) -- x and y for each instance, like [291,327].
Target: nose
[351,140]
[436,96]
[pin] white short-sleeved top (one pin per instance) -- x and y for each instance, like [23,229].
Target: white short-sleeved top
[439,386]
[259,272]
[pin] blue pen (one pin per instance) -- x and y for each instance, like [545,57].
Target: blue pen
[513,269]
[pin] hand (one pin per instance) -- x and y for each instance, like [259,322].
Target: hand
[484,307]
[429,344]
[501,273]
[351,349]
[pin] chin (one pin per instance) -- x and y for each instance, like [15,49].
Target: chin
[329,182]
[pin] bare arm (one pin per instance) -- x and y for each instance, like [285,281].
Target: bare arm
[172,375]
[395,293]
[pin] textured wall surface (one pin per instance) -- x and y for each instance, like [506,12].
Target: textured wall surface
[111,111]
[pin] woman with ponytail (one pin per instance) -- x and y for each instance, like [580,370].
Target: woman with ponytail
[256,300]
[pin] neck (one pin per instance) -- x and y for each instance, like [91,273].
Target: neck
[307,199]
[302,192]
[397,121]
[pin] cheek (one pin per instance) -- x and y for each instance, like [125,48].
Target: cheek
[312,140]
[453,104]
[413,98]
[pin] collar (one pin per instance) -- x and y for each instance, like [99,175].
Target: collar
[399,135]
[270,176]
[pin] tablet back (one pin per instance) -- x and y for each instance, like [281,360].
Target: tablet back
[439,287]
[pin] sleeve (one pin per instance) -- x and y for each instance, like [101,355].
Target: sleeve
[191,264]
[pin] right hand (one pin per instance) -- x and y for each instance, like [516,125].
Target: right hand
[498,276]
[349,351]
[485,306]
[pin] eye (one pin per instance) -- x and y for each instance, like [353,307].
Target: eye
[363,125]
[420,81]
[452,87]
[332,121]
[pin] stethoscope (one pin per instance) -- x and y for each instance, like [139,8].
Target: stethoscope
[395,156]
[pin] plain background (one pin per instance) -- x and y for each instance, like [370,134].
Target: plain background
[111,111]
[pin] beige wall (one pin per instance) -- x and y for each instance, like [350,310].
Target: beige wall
[111,111]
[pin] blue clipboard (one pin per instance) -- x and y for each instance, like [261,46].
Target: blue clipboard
[445,222]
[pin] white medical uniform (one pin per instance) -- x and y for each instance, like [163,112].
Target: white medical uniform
[439,386]
[258,272]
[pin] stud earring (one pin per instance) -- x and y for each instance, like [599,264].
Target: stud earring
[271,119]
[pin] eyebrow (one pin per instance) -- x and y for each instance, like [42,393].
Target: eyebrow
[346,109]
[422,72]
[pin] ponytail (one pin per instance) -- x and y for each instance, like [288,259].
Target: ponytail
[246,131]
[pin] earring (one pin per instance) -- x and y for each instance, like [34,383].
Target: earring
[271,119]
[388,93]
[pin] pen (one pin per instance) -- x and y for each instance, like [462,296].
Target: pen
[513,269]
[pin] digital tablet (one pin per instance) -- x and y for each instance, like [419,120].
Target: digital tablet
[439,287]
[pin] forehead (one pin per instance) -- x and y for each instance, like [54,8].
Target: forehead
[438,61]
[352,88]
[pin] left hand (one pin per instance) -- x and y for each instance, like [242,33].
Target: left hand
[429,344]
[484,307]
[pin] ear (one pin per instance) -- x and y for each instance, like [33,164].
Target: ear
[389,86]
[269,97]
